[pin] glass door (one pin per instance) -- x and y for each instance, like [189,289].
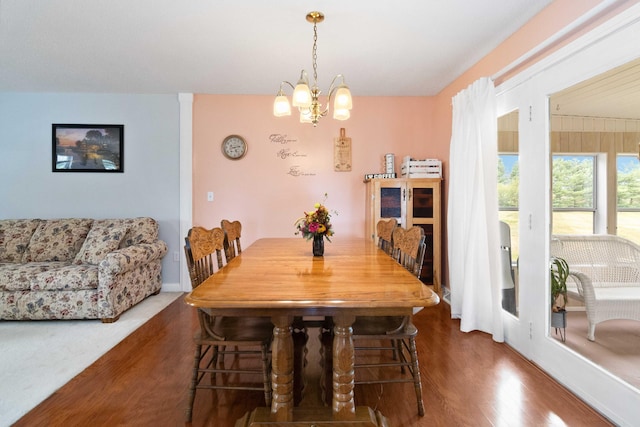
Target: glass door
[513,129]
[605,47]
[508,202]
[391,203]
[424,211]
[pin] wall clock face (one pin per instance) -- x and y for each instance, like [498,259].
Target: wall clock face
[234,147]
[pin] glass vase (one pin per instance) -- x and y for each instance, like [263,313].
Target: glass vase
[318,245]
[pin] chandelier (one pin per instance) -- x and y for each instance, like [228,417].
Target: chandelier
[305,96]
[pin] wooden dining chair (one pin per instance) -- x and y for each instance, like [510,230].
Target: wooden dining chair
[386,343]
[232,231]
[240,337]
[201,251]
[384,229]
[410,246]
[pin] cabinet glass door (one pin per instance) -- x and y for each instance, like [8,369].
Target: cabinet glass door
[422,205]
[392,204]
[423,210]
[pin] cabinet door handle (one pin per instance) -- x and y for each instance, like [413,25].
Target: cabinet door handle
[409,194]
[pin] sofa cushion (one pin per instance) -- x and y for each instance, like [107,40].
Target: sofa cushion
[18,277]
[100,240]
[66,278]
[57,240]
[14,238]
[141,230]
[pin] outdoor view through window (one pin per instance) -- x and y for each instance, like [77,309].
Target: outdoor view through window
[574,194]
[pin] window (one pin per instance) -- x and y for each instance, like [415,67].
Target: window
[628,197]
[508,183]
[573,194]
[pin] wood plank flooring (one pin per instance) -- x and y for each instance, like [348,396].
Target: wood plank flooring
[468,380]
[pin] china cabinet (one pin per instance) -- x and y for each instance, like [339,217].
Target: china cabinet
[411,201]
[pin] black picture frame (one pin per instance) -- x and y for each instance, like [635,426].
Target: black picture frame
[87,148]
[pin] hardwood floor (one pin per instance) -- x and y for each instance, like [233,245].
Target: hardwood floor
[468,380]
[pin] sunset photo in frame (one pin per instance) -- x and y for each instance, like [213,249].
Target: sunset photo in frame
[87,148]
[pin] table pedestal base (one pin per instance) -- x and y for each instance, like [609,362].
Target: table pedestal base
[313,417]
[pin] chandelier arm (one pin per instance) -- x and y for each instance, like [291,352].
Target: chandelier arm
[329,95]
[332,86]
[280,91]
[304,77]
[325,111]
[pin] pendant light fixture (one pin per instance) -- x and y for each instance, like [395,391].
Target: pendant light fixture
[305,96]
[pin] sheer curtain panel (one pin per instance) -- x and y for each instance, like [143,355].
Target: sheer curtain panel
[472,221]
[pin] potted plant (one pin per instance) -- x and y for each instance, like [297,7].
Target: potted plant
[559,276]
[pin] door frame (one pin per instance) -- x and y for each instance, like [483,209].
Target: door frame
[605,47]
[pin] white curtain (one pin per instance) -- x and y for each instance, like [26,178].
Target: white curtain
[472,221]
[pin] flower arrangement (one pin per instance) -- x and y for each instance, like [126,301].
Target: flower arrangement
[315,223]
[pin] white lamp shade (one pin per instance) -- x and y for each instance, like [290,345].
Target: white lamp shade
[302,95]
[341,114]
[343,99]
[281,106]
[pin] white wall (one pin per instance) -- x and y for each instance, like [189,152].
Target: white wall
[149,185]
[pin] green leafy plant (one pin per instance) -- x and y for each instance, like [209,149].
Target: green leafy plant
[559,276]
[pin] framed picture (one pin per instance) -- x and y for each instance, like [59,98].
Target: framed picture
[87,148]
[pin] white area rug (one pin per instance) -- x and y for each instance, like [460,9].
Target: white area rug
[39,357]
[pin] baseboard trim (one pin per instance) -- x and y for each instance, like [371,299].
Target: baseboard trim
[171,287]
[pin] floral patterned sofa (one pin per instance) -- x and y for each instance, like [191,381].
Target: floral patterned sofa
[77,268]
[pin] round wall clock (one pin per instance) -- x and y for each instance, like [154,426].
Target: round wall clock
[234,147]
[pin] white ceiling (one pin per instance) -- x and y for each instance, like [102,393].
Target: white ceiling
[384,48]
[613,94]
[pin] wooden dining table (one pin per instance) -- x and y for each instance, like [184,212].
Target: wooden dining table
[279,278]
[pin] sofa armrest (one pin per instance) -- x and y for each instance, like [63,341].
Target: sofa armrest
[586,289]
[131,257]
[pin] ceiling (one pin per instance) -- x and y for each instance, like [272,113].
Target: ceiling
[408,48]
[613,94]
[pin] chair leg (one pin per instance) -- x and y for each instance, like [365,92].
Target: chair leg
[415,370]
[395,344]
[399,354]
[194,382]
[591,334]
[265,374]
[213,363]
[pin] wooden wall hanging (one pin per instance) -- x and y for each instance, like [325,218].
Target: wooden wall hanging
[342,152]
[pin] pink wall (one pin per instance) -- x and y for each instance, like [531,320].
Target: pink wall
[259,191]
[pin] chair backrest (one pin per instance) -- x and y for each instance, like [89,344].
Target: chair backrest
[507,277]
[505,256]
[608,260]
[232,230]
[203,250]
[409,248]
[385,228]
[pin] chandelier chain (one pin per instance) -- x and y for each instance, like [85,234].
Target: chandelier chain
[315,54]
